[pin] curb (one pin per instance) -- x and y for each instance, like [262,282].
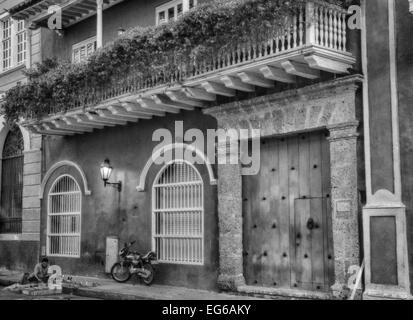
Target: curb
[6,282]
[105,295]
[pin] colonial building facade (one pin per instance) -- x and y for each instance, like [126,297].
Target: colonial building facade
[332,193]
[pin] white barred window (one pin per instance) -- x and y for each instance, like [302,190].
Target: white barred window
[178,215]
[64,218]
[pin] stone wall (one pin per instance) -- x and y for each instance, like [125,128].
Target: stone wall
[330,105]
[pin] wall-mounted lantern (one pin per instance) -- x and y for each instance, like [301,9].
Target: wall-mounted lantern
[105,172]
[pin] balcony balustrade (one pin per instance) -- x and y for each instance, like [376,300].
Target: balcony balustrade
[312,40]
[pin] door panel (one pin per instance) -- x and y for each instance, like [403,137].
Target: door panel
[287,222]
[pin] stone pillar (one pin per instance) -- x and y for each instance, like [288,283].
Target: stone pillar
[343,154]
[230,224]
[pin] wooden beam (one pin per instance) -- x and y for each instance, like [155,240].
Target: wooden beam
[109,115]
[199,94]
[180,97]
[218,89]
[120,111]
[149,104]
[107,122]
[51,129]
[38,129]
[75,123]
[256,79]
[300,69]
[61,125]
[322,63]
[236,84]
[86,120]
[277,74]
[134,107]
[164,100]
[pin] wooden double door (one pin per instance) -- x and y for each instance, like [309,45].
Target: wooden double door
[287,215]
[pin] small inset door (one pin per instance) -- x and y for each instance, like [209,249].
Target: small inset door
[287,215]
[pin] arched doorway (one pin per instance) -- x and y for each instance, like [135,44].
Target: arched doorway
[12,183]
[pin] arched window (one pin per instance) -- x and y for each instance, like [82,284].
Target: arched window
[12,183]
[64,218]
[178,214]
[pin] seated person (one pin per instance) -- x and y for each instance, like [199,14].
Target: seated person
[40,272]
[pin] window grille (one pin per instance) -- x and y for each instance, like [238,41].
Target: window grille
[178,215]
[64,218]
[12,183]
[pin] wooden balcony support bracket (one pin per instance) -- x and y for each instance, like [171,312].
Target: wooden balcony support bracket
[326,64]
[109,115]
[218,89]
[256,79]
[96,118]
[277,74]
[181,97]
[86,119]
[72,121]
[49,128]
[300,69]
[134,107]
[237,84]
[163,100]
[122,112]
[62,125]
[149,104]
[39,129]
[199,94]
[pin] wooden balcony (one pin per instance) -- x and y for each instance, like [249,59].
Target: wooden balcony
[313,40]
[73,11]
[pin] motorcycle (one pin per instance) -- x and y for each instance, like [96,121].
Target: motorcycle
[132,262]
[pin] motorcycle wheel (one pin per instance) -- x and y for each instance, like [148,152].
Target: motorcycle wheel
[148,281]
[120,273]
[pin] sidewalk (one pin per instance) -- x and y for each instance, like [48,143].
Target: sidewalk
[108,289]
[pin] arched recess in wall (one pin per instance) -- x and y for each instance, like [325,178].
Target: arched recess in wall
[175,146]
[62,164]
[4,131]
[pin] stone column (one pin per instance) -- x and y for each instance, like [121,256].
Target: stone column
[230,223]
[99,27]
[343,154]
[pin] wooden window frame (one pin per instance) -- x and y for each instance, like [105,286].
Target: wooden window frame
[84,43]
[14,33]
[169,5]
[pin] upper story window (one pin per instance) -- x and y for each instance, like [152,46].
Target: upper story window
[173,10]
[13,43]
[81,51]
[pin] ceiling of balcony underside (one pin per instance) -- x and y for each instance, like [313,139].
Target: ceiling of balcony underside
[73,11]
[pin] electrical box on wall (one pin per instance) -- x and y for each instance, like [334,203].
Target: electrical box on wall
[112,249]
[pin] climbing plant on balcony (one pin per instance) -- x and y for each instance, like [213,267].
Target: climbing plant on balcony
[57,86]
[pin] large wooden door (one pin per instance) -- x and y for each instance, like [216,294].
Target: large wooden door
[287,215]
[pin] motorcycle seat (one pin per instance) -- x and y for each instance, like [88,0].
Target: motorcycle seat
[146,256]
